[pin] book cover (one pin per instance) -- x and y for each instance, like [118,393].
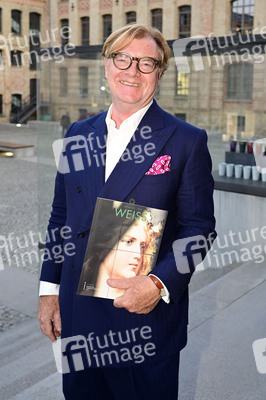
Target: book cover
[124,242]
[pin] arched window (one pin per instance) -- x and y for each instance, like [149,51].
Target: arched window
[157,18]
[85,31]
[184,22]
[16,103]
[242,16]
[239,81]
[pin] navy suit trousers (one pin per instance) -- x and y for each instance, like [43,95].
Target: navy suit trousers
[156,381]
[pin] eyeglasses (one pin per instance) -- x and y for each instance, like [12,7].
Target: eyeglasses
[146,65]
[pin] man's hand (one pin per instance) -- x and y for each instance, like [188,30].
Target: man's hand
[141,295]
[49,316]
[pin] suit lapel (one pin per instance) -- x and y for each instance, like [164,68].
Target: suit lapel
[129,170]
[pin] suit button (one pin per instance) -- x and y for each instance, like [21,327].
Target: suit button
[78,189]
[132,201]
[81,235]
[73,268]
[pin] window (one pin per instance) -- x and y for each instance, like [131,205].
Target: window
[242,16]
[35,28]
[63,81]
[16,22]
[182,83]
[182,116]
[35,24]
[15,57]
[85,31]
[64,32]
[0,19]
[15,103]
[107,26]
[131,17]
[184,22]
[157,18]
[239,81]
[83,81]
[1,104]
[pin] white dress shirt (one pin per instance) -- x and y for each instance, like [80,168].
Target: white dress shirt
[116,143]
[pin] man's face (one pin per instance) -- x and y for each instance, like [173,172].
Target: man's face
[131,87]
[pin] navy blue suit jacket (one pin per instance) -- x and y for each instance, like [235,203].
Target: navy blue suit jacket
[186,192]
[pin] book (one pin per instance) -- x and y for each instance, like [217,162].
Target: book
[124,242]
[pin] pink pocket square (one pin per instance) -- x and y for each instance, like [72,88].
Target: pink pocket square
[160,166]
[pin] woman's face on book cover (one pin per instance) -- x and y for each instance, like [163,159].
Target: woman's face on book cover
[125,260]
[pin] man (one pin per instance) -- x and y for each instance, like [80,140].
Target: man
[132,344]
[65,122]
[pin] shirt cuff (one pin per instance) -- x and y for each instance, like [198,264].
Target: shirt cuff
[48,288]
[166,297]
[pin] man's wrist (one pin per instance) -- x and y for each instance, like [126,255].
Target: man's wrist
[163,291]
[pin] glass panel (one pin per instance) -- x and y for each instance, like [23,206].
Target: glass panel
[218,93]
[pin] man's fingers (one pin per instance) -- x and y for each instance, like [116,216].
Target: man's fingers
[57,323]
[119,283]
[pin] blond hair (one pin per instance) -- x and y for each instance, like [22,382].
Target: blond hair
[122,37]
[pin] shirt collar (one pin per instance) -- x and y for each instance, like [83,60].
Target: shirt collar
[133,120]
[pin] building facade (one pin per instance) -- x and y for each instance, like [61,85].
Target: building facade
[221,89]
[22,23]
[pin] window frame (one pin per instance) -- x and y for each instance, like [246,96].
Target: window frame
[154,18]
[129,19]
[184,11]
[64,22]
[13,56]
[85,25]
[13,21]
[18,109]
[107,30]
[247,4]
[240,73]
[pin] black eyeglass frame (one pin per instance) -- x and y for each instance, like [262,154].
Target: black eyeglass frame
[156,64]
